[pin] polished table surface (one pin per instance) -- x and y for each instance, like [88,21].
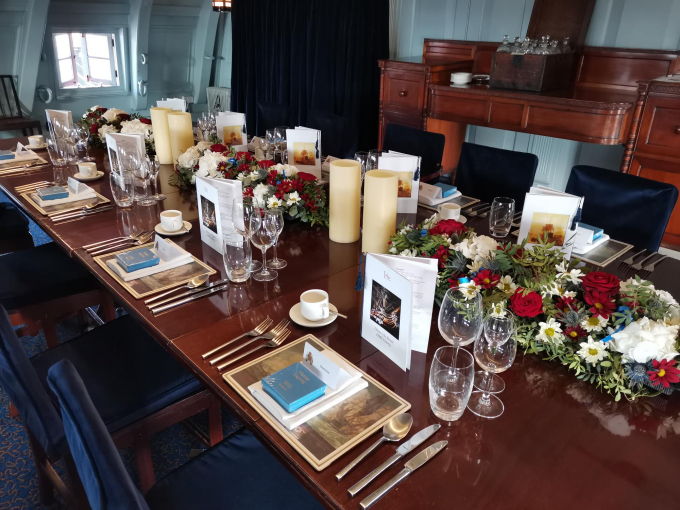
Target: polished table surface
[560,443]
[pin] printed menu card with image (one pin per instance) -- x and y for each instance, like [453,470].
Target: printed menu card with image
[231,129]
[304,149]
[408,169]
[215,200]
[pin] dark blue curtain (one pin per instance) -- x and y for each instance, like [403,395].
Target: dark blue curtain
[310,55]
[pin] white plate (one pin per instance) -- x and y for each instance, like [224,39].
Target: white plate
[81,177]
[297,317]
[43,146]
[160,230]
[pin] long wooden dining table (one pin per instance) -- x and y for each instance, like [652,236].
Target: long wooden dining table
[560,444]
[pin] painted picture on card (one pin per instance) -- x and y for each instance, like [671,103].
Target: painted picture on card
[303,153]
[385,309]
[208,217]
[405,184]
[233,135]
[552,227]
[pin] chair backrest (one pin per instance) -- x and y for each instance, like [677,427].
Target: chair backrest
[21,383]
[486,173]
[271,115]
[10,107]
[338,137]
[429,146]
[628,208]
[107,484]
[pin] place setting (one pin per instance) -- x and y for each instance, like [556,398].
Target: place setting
[56,201]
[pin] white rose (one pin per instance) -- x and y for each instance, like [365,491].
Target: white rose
[209,161]
[135,127]
[106,129]
[111,114]
[485,246]
[202,146]
[467,248]
[289,170]
[188,159]
[259,192]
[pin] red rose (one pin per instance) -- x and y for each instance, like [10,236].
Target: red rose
[486,279]
[123,116]
[102,109]
[442,255]
[217,147]
[244,155]
[601,303]
[266,163]
[91,115]
[599,281]
[93,129]
[243,167]
[448,227]
[526,306]
[304,176]
[144,120]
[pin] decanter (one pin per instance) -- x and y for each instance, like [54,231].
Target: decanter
[505,46]
[516,45]
[554,47]
[566,48]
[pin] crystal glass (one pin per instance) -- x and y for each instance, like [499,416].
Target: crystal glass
[83,135]
[281,156]
[246,217]
[362,157]
[154,168]
[495,352]
[500,216]
[132,161]
[505,46]
[280,137]
[516,44]
[450,383]
[56,152]
[263,237]
[270,136]
[372,162]
[123,188]
[277,219]
[460,318]
[238,258]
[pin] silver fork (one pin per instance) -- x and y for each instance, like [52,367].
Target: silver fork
[650,267]
[115,240]
[638,265]
[264,325]
[125,244]
[32,187]
[270,335]
[630,260]
[268,345]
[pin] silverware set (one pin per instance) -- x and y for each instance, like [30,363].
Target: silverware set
[193,289]
[80,213]
[30,188]
[275,337]
[193,296]
[116,243]
[143,239]
[34,165]
[644,264]
[482,210]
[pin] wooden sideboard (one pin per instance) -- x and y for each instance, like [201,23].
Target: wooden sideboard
[617,96]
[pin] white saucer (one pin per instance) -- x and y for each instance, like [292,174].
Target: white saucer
[159,229]
[82,178]
[43,146]
[296,316]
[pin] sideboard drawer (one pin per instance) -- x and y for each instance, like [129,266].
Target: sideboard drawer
[404,91]
[660,130]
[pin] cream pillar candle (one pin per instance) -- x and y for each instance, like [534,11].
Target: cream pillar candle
[181,133]
[381,189]
[344,201]
[161,134]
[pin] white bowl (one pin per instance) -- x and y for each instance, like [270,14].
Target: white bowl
[461,77]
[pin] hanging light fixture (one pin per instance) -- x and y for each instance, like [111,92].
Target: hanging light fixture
[221,5]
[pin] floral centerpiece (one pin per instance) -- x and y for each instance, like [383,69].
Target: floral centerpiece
[621,336]
[99,121]
[299,194]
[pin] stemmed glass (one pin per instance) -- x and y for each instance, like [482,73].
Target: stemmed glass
[154,168]
[131,161]
[495,352]
[271,140]
[280,137]
[83,135]
[373,155]
[123,188]
[246,217]
[277,220]
[58,159]
[263,237]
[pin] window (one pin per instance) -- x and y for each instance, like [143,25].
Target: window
[86,60]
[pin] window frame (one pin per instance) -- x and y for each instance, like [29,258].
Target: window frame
[118,52]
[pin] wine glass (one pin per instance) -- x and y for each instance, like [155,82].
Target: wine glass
[280,137]
[271,139]
[246,216]
[263,237]
[495,352]
[83,135]
[277,220]
[131,161]
[154,168]
[123,188]
[460,318]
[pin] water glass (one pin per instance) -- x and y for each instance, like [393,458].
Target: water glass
[280,137]
[277,222]
[238,257]
[450,383]
[500,216]
[123,188]
[132,161]
[372,163]
[56,153]
[362,157]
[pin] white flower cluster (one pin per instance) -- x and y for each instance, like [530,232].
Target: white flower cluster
[207,164]
[136,127]
[106,128]
[477,247]
[111,114]
[645,340]
[287,170]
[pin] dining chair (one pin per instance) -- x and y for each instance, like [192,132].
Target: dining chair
[339,137]
[11,116]
[487,172]
[429,146]
[14,233]
[238,473]
[42,284]
[627,207]
[137,387]
[271,115]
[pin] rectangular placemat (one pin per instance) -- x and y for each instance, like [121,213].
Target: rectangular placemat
[31,197]
[327,436]
[156,282]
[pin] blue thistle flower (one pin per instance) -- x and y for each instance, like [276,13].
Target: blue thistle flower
[636,373]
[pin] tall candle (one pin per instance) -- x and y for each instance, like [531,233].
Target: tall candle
[381,188]
[181,133]
[161,134]
[344,201]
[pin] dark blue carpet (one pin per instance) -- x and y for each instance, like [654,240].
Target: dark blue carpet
[18,483]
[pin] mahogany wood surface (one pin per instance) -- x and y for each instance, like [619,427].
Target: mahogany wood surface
[559,443]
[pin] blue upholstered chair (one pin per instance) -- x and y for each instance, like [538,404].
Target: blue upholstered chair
[429,146]
[271,115]
[14,234]
[137,388]
[239,473]
[338,136]
[486,173]
[628,208]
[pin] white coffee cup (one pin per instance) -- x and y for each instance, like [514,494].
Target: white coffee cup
[314,305]
[87,169]
[36,141]
[449,211]
[171,221]
[461,78]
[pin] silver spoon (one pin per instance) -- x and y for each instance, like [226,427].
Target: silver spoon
[394,430]
[86,207]
[196,281]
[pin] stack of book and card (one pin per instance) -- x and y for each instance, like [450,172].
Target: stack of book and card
[307,388]
[57,195]
[433,195]
[146,260]
[21,156]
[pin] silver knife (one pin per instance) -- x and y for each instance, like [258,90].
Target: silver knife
[188,293]
[477,212]
[72,209]
[82,213]
[403,450]
[409,468]
[189,299]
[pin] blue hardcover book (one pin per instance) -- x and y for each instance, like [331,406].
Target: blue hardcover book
[597,232]
[135,260]
[293,387]
[53,193]
[447,189]
[4,155]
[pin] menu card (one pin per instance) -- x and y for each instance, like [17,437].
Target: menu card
[215,200]
[304,149]
[63,117]
[231,129]
[128,141]
[408,169]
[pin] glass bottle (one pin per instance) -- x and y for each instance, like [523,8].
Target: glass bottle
[566,48]
[555,47]
[516,45]
[505,46]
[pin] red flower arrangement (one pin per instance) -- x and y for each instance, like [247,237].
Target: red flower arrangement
[599,281]
[574,333]
[529,305]
[448,227]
